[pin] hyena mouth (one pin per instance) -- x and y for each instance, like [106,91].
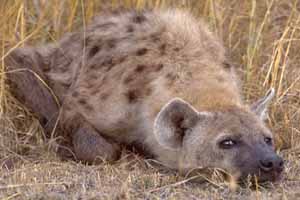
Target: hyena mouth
[262,177]
[273,176]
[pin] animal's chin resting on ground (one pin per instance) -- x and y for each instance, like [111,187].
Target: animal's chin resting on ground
[158,80]
[216,174]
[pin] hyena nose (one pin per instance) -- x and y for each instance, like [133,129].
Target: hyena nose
[273,163]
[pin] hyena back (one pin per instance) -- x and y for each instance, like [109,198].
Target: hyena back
[158,80]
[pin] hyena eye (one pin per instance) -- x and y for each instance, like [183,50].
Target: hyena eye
[268,141]
[227,143]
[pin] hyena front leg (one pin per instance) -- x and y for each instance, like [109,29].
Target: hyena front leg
[88,144]
[27,83]
[91,147]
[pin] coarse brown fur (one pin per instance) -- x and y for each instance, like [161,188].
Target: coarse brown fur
[158,79]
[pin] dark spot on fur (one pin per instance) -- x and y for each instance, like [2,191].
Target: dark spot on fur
[104,96]
[93,51]
[132,96]
[128,79]
[122,59]
[171,76]
[45,68]
[109,64]
[107,61]
[140,68]
[130,29]
[93,66]
[158,67]
[227,65]
[177,49]
[66,84]
[162,49]
[139,18]
[88,107]
[156,35]
[111,43]
[82,101]
[189,74]
[75,94]
[141,51]
[155,38]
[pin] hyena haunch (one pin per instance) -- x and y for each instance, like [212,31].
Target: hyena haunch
[155,79]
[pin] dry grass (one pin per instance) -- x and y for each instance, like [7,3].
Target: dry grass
[263,40]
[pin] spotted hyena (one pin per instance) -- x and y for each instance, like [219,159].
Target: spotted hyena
[155,80]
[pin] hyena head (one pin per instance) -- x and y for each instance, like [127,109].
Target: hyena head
[235,140]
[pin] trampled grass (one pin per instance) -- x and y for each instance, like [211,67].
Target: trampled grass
[262,38]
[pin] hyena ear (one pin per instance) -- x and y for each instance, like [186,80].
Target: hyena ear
[173,122]
[260,107]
